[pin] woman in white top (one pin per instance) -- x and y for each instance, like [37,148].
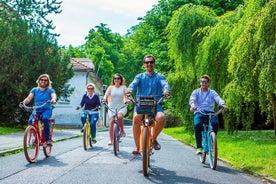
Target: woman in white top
[115,96]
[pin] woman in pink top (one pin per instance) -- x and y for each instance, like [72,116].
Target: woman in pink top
[115,96]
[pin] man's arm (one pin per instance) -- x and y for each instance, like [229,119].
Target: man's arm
[192,101]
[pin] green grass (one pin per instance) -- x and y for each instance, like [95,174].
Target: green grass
[253,152]
[7,130]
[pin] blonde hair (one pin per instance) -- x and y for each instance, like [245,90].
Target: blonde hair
[90,84]
[49,85]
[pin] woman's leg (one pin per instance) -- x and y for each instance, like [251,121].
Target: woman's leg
[111,130]
[83,117]
[121,123]
[93,121]
[46,115]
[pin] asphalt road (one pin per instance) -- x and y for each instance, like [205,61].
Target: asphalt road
[69,163]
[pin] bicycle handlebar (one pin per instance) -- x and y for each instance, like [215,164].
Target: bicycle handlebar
[27,108]
[114,109]
[129,96]
[210,113]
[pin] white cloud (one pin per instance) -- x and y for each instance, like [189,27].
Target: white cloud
[79,16]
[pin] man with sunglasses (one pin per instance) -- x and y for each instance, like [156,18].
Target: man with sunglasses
[42,93]
[149,83]
[204,99]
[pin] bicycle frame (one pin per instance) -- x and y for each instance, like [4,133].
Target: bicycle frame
[34,136]
[116,130]
[147,124]
[87,137]
[209,140]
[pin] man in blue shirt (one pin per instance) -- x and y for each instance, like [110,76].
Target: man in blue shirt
[149,83]
[204,99]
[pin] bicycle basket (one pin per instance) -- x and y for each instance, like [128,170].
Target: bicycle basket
[145,105]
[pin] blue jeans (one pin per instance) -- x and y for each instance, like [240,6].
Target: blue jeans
[198,125]
[93,121]
[46,115]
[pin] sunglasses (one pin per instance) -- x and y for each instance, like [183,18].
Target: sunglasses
[204,81]
[149,62]
[44,80]
[117,78]
[90,88]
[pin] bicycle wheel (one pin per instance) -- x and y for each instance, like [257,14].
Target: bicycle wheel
[86,136]
[48,149]
[31,144]
[213,151]
[145,151]
[203,155]
[115,139]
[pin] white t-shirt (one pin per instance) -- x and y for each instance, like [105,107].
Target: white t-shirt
[117,100]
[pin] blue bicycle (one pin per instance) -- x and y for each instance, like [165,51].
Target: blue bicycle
[209,139]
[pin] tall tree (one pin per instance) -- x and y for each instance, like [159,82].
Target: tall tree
[103,47]
[26,53]
[184,41]
[35,13]
[244,63]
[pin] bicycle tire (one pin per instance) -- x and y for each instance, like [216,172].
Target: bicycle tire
[31,144]
[86,136]
[145,151]
[203,155]
[115,139]
[89,136]
[213,151]
[48,149]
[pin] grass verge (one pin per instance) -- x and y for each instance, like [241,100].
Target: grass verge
[7,130]
[253,152]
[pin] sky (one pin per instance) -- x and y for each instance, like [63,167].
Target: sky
[79,16]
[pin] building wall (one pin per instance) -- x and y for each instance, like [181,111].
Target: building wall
[65,113]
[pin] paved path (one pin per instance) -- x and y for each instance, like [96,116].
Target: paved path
[13,142]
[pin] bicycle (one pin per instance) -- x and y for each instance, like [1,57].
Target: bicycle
[87,136]
[116,131]
[34,135]
[146,105]
[209,139]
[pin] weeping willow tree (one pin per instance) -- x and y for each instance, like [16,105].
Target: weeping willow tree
[250,64]
[183,47]
[213,54]
[266,34]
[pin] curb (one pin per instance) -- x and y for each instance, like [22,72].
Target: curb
[21,149]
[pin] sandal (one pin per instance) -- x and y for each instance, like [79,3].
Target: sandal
[136,152]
